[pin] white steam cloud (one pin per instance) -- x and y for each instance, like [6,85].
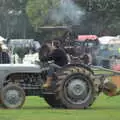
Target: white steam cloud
[67,13]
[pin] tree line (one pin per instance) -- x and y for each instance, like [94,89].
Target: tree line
[23,18]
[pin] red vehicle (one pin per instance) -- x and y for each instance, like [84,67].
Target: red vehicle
[87,44]
[89,41]
[87,37]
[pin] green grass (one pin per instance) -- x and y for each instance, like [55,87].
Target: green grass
[104,108]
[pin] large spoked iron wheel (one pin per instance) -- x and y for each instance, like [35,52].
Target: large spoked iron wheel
[12,96]
[76,90]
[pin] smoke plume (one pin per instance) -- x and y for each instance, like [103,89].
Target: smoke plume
[67,13]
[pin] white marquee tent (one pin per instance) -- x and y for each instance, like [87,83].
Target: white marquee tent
[2,39]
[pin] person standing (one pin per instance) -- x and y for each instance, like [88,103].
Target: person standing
[4,57]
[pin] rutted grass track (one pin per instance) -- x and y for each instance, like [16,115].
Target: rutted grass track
[104,108]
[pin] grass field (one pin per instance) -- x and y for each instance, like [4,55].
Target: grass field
[104,108]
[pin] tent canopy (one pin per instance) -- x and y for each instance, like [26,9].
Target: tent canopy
[2,39]
[106,39]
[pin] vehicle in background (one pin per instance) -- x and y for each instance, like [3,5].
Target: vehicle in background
[109,52]
[87,44]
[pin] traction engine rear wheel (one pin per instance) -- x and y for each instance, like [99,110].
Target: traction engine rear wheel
[75,87]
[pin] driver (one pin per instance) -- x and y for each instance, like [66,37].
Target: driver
[59,57]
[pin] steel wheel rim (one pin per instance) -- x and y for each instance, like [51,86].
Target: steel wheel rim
[13,98]
[80,97]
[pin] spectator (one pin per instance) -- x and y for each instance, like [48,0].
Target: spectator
[15,58]
[106,58]
[4,57]
[87,58]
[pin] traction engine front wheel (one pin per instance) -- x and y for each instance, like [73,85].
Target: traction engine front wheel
[12,96]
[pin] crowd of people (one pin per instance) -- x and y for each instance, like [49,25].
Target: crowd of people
[7,56]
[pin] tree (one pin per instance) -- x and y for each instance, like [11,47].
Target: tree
[107,12]
[39,11]
[93,16]
[13,19]
[53,13]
